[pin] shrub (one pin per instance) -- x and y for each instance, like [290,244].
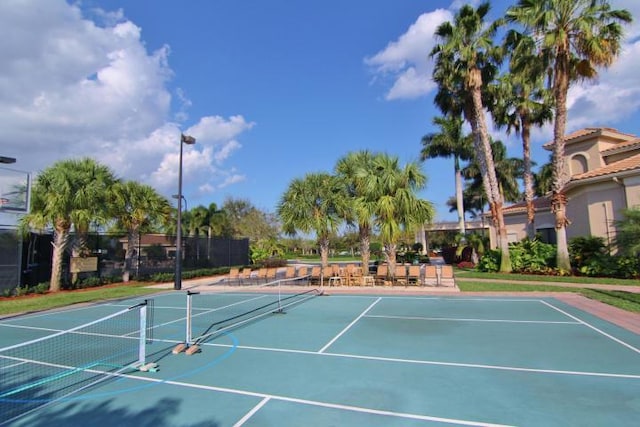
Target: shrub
[490,261]
[584,251]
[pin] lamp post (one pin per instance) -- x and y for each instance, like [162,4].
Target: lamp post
[184,139]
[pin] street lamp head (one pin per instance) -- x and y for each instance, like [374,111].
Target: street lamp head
[9,160]
[187,139]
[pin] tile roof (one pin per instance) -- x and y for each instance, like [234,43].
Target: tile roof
[626,164]
[538,203]
[622,146]
[587,131]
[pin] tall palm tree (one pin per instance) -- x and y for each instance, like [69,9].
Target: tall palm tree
[466,60]
[390,194]
[314,204]
[67,194]
[450,141]
[574,37]
[543,179]
[352,170]
[508,171]
[522,102]
[136,208]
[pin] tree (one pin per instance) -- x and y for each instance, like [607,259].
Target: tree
[248,221]
[352,171]
[628,233]
[314,204]
[521,102]
[543,179]
[137,208]
[390,194]
[450,142]
[67,194]
[466,60]
[574,37]
[508,171]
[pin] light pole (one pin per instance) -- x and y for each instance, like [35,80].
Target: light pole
[184,139]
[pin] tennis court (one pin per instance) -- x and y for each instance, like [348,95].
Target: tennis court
[325,360]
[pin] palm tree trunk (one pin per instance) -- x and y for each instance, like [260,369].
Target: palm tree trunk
[365,241]
[61,238]
[459,198]
[528,176]
[133,239]
[390,250]
[560,176]
[324,251]
[484,155]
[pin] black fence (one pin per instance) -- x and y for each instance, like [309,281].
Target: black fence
[9,259]
[153,253]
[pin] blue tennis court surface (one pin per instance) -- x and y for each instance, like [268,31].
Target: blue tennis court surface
[350,360]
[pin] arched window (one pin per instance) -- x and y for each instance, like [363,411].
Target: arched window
[578,164]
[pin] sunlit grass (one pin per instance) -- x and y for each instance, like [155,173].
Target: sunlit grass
[37,302]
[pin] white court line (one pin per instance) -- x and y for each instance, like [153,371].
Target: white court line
[315,402]
[252,411]
[427,362]
[619,341]
[454,319]
[349,326]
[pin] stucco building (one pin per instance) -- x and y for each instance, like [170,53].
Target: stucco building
[604,166]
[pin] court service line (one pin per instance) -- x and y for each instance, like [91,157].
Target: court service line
[351,408]
[349,326]
[619,341]
[455,319]
[433,362]
[252,412]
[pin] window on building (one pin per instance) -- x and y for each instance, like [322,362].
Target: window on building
[547,235]
[578,164]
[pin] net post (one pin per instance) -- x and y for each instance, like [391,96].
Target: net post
[142,351]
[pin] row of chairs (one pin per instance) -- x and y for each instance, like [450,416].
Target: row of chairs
[349,275]
[416,275]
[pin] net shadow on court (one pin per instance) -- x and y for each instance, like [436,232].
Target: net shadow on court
[346,360]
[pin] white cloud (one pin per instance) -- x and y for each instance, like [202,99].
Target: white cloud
[406,60]
[613,98]
[75,85]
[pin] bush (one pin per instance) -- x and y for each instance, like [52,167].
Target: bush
[490,261]
[583,251]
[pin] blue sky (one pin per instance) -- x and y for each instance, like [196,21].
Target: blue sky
[271,89]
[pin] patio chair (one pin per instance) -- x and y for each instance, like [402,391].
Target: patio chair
[430,275]
[400,275]
[382,275]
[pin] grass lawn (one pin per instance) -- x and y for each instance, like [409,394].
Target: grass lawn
[472,274]
[628,301]
[36,302]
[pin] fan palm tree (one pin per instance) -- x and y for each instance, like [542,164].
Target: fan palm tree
[574,37]
[352,170]
[508,171]
[136,208]
[390,194]
[628,236]
[520,103]
[466,60]
[450,142]
[314,204]
[69,193]
[543,179]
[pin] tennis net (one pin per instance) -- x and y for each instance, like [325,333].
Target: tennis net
[239,305]
[54,368]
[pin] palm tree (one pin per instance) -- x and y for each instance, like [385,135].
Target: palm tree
[466,60]
[390,194]
[574,37]
[136,208]
[508,171]
[543,179]
[628,233]
[67,194]
[522,102]
[352,171]
[450,142]
[314,204]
